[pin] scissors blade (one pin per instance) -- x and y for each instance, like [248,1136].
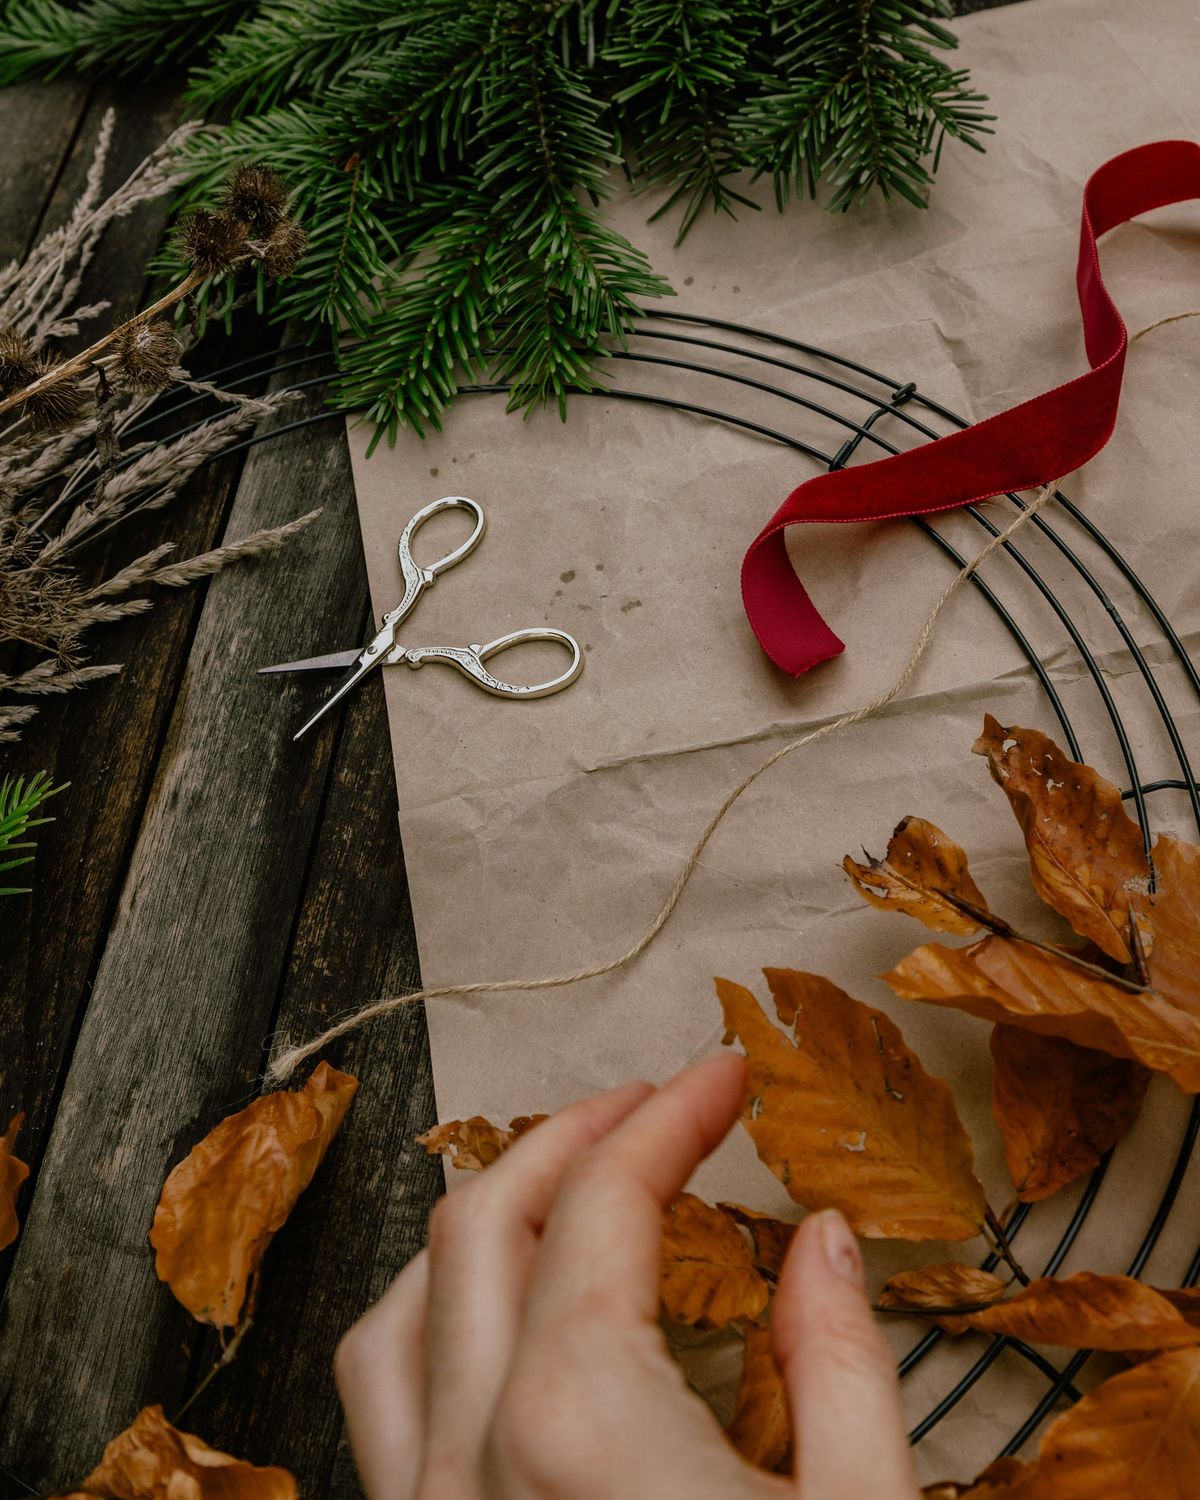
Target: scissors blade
[357,672]
[328,663]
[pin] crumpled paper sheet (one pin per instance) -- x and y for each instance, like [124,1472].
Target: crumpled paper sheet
[541,837]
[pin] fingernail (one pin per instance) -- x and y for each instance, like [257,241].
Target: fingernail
[839,1246]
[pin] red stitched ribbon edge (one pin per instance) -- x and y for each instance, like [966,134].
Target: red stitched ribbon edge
[1031,444]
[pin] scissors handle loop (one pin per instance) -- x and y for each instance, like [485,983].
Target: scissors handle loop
[416,578]
[469,660]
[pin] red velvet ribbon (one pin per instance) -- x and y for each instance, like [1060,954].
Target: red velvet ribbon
[1030,444]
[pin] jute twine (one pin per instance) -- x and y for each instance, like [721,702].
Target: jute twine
[288,1058]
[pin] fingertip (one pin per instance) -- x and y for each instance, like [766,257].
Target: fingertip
[838,1368]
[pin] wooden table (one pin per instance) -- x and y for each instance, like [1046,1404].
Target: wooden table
[206,884]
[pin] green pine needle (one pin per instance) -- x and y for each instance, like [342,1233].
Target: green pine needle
[19,799]
[450,160]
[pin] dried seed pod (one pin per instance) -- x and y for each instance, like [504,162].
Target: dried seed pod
[210,242]
[284,246]
[18,362]
[56,404]
[255,195]
[144,354]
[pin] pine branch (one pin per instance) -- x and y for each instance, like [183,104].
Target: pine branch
[688,63]
[291,46]
[335,194]
[864,100]
[405,370]
[123,36]
[517,276]
[19,800]
[450,161]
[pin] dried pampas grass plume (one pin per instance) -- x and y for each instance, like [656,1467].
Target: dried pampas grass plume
[97,475]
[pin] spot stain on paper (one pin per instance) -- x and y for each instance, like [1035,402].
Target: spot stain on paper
[630,604]
[568,576]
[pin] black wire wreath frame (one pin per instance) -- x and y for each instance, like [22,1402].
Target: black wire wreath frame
[882,397]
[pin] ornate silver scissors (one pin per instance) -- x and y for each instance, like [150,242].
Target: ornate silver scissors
[384,650]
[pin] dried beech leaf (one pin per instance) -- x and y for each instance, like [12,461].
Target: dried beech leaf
[13,1173]
[846,1117]
[771,1236]
[1086,855]
[1087,1311]
[924,875]
[998,1473]
[707,1275]
[761,1429]
[476,1143]
[1135,1437]
[1173,915]
[1059,1107]
[1004,979]
[945,1285]
[151,1460]
[223,1203]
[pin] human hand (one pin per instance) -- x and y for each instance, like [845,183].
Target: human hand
[519,1357]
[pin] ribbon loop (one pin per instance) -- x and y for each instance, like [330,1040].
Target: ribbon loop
[1018,449]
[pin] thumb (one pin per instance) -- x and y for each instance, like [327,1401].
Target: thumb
[839,1371]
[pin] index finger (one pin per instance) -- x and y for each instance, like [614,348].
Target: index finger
[603,1236]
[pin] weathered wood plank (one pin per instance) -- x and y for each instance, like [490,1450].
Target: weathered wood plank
[171,1037]
[366,1211]
[103,740]
[38,122]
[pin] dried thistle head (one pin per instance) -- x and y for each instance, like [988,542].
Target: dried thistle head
[57,403]
[255,195]
[18,362]
[283,247]
[210,243]
[145,354]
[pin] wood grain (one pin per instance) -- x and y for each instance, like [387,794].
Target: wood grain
[103,740]
[172,1034]
[366,1212]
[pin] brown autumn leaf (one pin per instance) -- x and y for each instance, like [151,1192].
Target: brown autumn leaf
[1089,1311]
[1005,979]
[1173,917]
[1135,1437]
[846,1117]
[1059,1107]
[222,1204]
[1087,858]
[945,1285]
[476,1143]
[924,875]
[151,1460]
[771,1237]
[13,1173]
[707,1274]
[999,1472]
[761,1429]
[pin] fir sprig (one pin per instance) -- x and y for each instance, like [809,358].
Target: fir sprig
[120,36]
[450,161]
[19,800]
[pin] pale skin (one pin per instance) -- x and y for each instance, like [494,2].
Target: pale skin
[520,1356]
